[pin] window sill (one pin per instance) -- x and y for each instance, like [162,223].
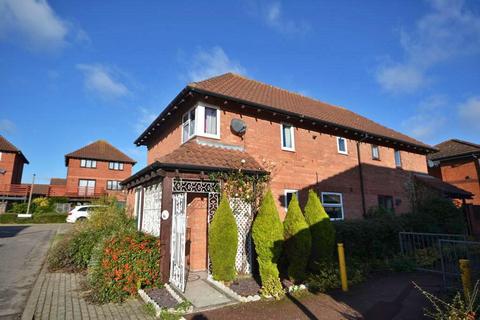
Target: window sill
[288,149]
[209,136]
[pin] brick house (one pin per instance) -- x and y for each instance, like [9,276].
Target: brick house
[12,161]
[457,162]
[230,122]
[93,170]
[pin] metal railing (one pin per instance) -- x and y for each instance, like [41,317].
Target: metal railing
[451,251]
[424,248]
[14,189]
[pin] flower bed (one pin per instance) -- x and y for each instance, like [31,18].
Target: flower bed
[164,299]
[245,287]
[231,292]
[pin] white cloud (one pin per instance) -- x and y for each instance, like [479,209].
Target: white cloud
[103,81]
[34,23]
[447,32]
[7,126]
[469,112]
[213,62]
[144,119]
[428,119]
[275,18]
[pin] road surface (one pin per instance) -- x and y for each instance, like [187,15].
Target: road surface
[23,249]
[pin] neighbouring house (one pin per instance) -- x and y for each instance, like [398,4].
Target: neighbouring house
[12,161]
[92,171]
[457,162]
[232,123]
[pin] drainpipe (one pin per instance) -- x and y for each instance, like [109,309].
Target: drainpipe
[360,173]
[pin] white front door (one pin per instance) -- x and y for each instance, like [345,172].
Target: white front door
[179,226]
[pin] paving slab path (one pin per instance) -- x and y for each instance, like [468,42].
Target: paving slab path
[203,295]
[60,297]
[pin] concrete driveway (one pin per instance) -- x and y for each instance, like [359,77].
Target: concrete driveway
[23,249]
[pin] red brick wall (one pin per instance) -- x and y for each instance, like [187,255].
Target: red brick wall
[315,162]
[197,229]
[101,174]
[13,164]
[457,172]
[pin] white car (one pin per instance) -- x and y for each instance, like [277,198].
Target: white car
[80,213]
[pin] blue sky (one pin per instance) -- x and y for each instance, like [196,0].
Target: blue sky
[72,72]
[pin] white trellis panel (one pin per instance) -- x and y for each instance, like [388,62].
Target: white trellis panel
[152,209]
[242,210]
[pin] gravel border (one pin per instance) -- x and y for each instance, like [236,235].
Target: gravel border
[232,293]
[158,309]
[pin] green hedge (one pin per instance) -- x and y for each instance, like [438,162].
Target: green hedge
[43,218]
[267,233]
[223,242]
[298,241]
[369,239]
[321,228]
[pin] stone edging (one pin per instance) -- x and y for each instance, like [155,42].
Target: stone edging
[232,293]
[295,288]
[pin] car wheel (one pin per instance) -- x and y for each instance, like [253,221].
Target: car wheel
[81,219]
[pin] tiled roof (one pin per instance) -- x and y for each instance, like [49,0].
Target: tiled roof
[100,150]
[58,181]
[7,146]
[204,155]
[453,148]
[444,187]
[234,86]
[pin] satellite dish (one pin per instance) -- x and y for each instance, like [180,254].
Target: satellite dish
[238,127]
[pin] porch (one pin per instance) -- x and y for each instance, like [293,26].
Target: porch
[176,201]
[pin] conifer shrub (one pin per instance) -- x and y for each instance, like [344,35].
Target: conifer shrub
[267,233]
[298,241]
[222,242]
[321,229]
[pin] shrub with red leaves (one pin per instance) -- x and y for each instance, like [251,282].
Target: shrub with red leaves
[125,263]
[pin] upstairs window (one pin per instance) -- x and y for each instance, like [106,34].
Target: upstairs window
[115,166]
[333,204]
[0,156]
[342,145]
[113,185]
[208,124]
[85,163]
[375,152]
[398,159]
[288,139]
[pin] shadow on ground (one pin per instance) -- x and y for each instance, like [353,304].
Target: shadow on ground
[11,231]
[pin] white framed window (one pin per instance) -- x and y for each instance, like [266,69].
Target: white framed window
[113,185]
[333,204]
[115,165]
[86,163]
[398,159]
[342,145]
[288,137]
[202,120]
[0,156]
[375,152]
[288,194]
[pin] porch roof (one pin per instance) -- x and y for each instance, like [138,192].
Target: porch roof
[199,155]
[444,187]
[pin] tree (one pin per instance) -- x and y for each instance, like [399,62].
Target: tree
[223,242]
[267,232]
[298,241]
[321,229]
